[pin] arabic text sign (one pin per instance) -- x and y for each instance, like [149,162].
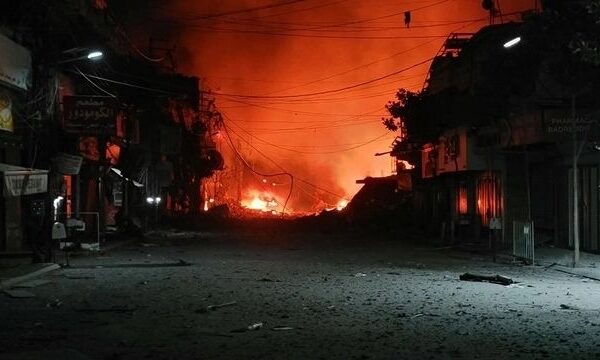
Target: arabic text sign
[559,125]
[25,184]
[93,115]
[15,64]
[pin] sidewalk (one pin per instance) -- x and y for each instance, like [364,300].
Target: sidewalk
[562,260]
[13,274]
[10,276]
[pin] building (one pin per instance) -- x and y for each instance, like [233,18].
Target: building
[125,139]
[492,137]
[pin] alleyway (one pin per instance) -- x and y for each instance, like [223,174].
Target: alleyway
[308,297]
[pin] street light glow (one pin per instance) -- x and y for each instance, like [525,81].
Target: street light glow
[95,55]
[512,42]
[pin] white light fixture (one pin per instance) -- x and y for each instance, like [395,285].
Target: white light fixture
[95,55]
[157,199]
[512,42]
[150,200]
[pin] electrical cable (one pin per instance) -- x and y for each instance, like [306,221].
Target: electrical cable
[135,48]
[315,152]
[230,142]
[293,112]
[295,11]
[222,30]
[94,84]
[332,90]
[164,92]
[241,11]
[280,167]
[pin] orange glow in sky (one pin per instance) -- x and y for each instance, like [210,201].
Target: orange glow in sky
[302,86]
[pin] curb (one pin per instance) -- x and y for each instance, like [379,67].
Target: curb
[18,279]
[581,272]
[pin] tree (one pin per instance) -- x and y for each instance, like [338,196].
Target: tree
[570,31]
[411,116]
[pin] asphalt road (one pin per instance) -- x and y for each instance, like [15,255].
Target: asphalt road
[302,296]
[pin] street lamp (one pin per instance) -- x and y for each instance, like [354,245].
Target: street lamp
[95,55]
[154,201]
[512,42]
[83,54]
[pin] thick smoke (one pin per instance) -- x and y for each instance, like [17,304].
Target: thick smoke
[328,139]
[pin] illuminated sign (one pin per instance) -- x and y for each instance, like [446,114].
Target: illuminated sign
[90,115]
[6,118]
[559,125]
[15,64]
[23,181]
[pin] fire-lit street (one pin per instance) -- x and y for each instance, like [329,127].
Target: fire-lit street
[299,296]
[299,179]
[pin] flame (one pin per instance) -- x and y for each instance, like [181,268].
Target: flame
[257,204]
[262,201]
[313,145]
[341,204]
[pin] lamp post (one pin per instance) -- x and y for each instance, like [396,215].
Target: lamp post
[154,201]
[82,54]
[512,42]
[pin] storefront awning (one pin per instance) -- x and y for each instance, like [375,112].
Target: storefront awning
[19,180]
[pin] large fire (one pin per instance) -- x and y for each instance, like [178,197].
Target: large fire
[261,201]
[303,87]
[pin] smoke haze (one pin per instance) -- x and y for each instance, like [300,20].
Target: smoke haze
[266,58]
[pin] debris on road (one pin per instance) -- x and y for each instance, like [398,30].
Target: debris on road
[255,326]
[515,286]
[132,265]
[32,283]
[79,277]
[19,294]
[117,309]
[212,333]
[54,303]
[495,279]
[215,307]
[282,328]
[568,307]
[360,274]
[575,273]
[251,327]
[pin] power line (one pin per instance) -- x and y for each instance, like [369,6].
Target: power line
[361,66]
[279,166]
[241,11]
[316,152]
[300,35]
[230,142]
[295,27]
[293,111]
[141,87]
[333,90]
[296,11]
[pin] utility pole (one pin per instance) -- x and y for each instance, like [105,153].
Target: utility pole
[575,187]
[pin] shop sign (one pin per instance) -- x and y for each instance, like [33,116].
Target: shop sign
[90,115]
[560,125]
[17,184]
[6,118]
[15,64]
[67,164]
